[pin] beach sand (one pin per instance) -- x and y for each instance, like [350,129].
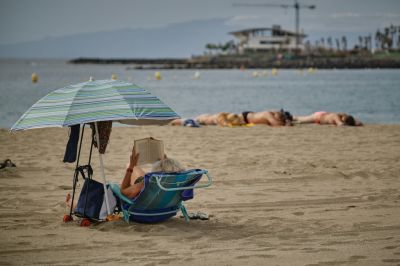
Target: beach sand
[303,195]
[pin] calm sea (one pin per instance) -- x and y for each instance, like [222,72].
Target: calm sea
[373,96]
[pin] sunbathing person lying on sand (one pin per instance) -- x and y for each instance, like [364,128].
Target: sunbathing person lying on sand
[236,120]
[221,119]
[269,118]
[133,181]
[327,118]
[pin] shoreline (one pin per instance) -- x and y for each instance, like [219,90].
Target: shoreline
[249,63]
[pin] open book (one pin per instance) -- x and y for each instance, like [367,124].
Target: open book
[150,150]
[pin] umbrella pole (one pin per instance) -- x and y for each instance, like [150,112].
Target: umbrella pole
[75,180]
[102,168]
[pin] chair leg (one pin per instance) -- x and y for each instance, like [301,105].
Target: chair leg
[184,212]
[126,215]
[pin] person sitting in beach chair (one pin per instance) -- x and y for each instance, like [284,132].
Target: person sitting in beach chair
[133,183]
[328,118]
[158,195]
[269,118]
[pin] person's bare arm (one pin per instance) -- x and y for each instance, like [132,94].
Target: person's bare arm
[133,190]
[337,120]
[126,182]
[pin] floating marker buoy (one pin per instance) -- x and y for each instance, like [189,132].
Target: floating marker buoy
[34,78]
[157,75]
[255,74]
[114,77]
[196,75]
[311,70]
[274,72]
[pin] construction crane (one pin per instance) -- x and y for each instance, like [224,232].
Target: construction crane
[296,6]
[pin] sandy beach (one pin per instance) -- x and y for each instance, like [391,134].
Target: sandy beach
[302,195]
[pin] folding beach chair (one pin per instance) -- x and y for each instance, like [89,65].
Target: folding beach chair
[162,195]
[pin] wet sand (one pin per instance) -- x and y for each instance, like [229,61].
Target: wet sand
[304,195]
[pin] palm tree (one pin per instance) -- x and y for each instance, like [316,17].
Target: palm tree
[392,34]
[386,38]
[329,41]
[323,42]
[344,43]
[337,44]
[360,42]
[211,47]
[398,37]
[379,40]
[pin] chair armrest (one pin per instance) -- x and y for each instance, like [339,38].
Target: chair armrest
[158,180]
[117,191]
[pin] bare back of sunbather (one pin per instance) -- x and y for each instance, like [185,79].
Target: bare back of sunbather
[269,118]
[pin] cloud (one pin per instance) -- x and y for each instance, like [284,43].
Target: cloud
[345,15]
[387,15]
[241,20]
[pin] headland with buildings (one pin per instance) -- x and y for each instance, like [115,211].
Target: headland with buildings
[274,47]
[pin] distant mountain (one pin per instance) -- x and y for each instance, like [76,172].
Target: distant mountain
[175,40]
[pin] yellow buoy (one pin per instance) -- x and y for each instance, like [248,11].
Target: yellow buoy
[274,72]
[157,75]
[34,78]
[311,70]
[114,77]
[255,74]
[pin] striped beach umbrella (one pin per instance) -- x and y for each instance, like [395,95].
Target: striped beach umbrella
[93,101]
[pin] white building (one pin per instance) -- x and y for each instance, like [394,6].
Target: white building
[267,39]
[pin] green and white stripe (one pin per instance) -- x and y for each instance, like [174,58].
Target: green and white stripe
[100,100]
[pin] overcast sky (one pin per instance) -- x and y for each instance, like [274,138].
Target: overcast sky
[26,20]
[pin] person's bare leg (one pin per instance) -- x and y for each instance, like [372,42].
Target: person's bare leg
[176,122]
[304,119]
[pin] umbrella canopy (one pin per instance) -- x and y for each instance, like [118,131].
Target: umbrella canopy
[93,101]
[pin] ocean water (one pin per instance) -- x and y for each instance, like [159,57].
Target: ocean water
[373,96]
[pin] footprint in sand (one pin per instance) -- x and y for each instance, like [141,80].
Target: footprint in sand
[390,247]
[63,187]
